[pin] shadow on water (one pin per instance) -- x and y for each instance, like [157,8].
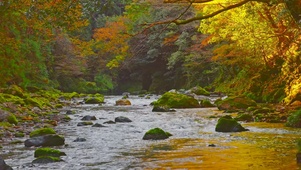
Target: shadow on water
[194,144]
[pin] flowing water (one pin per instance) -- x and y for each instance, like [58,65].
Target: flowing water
[120,146]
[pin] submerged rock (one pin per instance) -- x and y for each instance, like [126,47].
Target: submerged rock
[122,119]
[109,122]
[156,134]
[46,140]
[87,117]
[162,109]
[98,125]
[4,166]
[84,123]
[46,159]
[80,140]
[228,124]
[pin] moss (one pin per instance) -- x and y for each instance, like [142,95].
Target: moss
[206,103]
[19,134]
[262,110]
[33,102]
[236,102]
[200,91]
[16,91]
[5,124]
[12,119]
[42,131]
[94,100]
[299,145]
[244,117]
[59,105]
[175,100]
[294,120]
[48,152]
[156,134]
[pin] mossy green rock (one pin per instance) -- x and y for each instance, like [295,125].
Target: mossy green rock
[176,100]
[294,120]
[156,134]
[48,152]
[12,119]
[228,124]
[235,103]
[206,103]
[94,100]
[244,117]
[46,159]
[200,91]
[41,132]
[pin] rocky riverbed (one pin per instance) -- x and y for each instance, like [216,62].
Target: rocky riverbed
[194,144]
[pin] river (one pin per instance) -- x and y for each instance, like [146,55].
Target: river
[120,146]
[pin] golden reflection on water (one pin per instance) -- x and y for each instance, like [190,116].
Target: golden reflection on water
[245,150]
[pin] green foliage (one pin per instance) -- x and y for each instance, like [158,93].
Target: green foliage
[41,132]
[294,120]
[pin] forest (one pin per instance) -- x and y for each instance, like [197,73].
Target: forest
[247,47]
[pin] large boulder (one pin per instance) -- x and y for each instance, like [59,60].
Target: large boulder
[228,124]
[46,140]
[156,134]
[123,102]
[4,166]
[235,103]
[176,100]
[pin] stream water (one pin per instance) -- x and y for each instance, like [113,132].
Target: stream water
[120,146]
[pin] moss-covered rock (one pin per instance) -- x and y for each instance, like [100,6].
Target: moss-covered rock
[123,102]
[294,120]
[41,132]
[45,140]
[262,111]
[48,152]
[199,91]
[86,123]
[162,109]
[176,100]
[94,100]
[236,103]
[228,124]
[206,103]
[19,134]
[156,134]
[244,117]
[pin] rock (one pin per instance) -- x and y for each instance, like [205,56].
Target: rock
[4,166]
[109,122]
[46,140]
[175,100]
[206,103]
[123,102]
[199,91]
[70,112]
[46,159]
[84,123]
[41,132]
[3,115]
[87,117]
[244,117]
[122,119]
[98,125]
[228,124]
[94,100]
[162,109]
[156,134]
[212,145]
[48,152]
[80,140]
[235,103]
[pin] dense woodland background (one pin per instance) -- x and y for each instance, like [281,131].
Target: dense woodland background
[249,47]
